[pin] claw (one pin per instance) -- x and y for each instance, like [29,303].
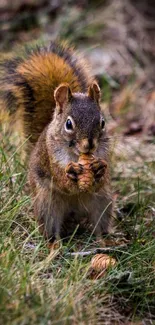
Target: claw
[98,167]
[73,170]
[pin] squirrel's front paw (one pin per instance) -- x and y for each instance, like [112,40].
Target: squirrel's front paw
[73,170]
[98,166]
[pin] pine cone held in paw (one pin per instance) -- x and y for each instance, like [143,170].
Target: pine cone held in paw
[86,172]
[93,169]
[86,179]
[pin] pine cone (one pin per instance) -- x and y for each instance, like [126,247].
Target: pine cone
[86,179]
[101,262]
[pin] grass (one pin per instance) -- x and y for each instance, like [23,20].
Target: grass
[39,288]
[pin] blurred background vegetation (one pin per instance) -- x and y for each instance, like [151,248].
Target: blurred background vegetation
[118,38]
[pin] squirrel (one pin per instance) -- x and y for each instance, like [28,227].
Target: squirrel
[57,101]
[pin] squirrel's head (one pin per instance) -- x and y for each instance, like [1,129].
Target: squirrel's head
[78,119]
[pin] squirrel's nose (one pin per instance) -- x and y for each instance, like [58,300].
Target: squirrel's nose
[87,145]
[90,143]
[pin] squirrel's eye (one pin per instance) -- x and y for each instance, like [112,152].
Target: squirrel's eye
[102,123]
[69,125]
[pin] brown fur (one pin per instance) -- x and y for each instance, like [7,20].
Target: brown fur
[51,87]
[28,83]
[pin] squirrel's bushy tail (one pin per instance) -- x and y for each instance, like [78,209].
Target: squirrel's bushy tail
[28,83]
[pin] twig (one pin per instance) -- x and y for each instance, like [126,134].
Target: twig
[99,250]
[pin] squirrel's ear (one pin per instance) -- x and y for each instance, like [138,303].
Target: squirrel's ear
[94,91]
[62,95]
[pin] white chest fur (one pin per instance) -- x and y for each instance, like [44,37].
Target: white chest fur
[64,156]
